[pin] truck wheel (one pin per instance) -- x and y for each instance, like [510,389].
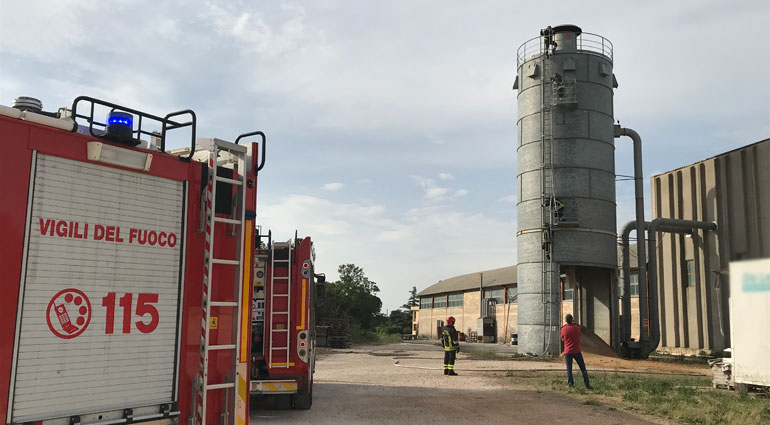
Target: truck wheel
[282,401]
[304,398]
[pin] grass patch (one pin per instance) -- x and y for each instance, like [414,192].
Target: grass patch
[547,359]
[494,355]
[360,336]
[684,399]
[702,358]
[388,339]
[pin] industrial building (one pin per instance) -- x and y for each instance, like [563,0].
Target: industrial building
[570,256]
[461,297]
[692,268]
[730,189]
[566,184]
[493,294]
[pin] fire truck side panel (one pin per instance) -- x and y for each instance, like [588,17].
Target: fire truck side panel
[156,360]
[15,173]
[149,341]
[100,307]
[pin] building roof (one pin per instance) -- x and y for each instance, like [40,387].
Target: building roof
[494,277]
[712,157]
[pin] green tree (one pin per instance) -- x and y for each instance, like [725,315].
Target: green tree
[400,322]
[353,295]
[414,300]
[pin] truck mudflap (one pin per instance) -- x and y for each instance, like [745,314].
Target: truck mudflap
[278,386]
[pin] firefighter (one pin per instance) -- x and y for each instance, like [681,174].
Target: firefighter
[546,237]
[451,346]
[548,42]
[558,88]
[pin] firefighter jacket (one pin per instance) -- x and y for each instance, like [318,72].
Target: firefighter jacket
[449,338]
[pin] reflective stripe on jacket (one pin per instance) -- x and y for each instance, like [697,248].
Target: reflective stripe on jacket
[449,338]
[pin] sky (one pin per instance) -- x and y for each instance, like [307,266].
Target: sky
[392,125]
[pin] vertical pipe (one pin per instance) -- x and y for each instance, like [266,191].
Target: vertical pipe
[674,226]
[625,281]
[640,239]
[481,295]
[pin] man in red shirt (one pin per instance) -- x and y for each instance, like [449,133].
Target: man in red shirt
[570,334]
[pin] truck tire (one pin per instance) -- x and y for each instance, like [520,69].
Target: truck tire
[304,398]
[282,401]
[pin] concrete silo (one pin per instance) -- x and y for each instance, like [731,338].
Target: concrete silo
[566,185]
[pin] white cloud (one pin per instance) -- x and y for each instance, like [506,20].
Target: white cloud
[435,193]
[431,191]
[395,249]
[332,187]
[508,199]
[254,35]
[327,80]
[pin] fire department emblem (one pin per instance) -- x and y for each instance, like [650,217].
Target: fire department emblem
[68,313]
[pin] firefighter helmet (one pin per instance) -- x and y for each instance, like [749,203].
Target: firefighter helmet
[450,321]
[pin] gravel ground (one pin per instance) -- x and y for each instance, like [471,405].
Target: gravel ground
[404,383]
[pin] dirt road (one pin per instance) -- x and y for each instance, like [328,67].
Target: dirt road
[403,383]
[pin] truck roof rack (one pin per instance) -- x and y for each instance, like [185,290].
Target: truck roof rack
[165,123]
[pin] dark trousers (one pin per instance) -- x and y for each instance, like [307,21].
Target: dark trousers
[579,358]
[449,359]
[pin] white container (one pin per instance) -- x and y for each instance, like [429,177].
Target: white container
[750,321]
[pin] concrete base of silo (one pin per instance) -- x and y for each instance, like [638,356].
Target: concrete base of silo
[592,299]
[538,310]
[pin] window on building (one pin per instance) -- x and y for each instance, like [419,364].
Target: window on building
[426,303]
[567,296]
[634,284]
[691,273]
[513,294]
[497,294]
[439,301]
[455,300]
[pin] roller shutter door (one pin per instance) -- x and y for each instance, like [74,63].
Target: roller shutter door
[101,292]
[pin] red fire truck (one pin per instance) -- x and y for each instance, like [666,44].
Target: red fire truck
[129,273]
[283,322]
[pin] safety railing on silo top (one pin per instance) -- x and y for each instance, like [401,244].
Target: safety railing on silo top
[586,42]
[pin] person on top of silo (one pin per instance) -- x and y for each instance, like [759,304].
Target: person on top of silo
[547,36]
[570,334]
[548,42]
[451,346]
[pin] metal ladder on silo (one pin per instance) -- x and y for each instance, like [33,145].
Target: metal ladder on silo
[283,326]
[548,198]
[237,154]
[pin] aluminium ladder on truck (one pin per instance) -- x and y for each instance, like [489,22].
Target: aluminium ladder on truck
[280,289]
[548,193]
[221,152]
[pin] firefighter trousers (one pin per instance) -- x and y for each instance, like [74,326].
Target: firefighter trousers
[449,359]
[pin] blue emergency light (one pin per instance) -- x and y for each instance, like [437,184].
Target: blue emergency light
[120,125]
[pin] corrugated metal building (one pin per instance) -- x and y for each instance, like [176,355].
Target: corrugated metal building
[733,190]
